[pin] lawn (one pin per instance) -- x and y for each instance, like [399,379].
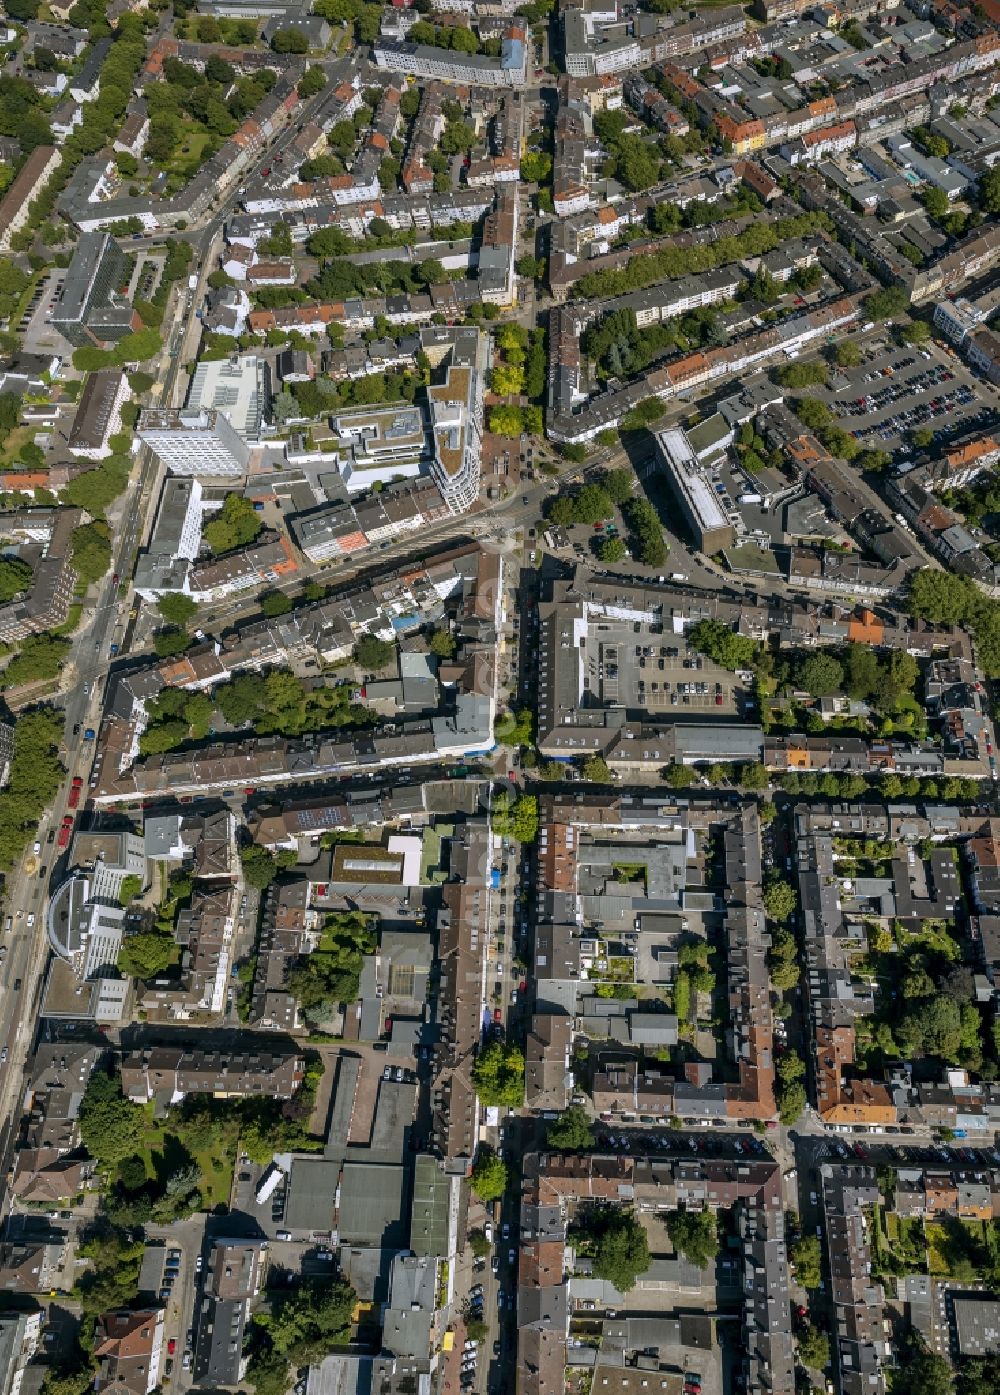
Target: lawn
[953,1245]
[163,1152]
[188,158]
[69,625]
[19,437]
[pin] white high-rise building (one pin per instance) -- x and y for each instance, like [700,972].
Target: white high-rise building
[195,442]
[455,407]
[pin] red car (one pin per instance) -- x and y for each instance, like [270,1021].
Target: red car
[522,987]
[172,1346]
[497,1016]
[64,832]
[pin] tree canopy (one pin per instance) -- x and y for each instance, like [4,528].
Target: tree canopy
[329,976]
[177,608]
[718,642]
[373,653]
[110,1125]
[695,1235]
[572,1132]
[237,525]
[15,577]
[621,1248]
[780,898]
[498,1075]
[145,954]
[516,819]
[489,1175]
[91,551]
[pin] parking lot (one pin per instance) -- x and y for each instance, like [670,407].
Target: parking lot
[898,391]
[637,671]
[39,337]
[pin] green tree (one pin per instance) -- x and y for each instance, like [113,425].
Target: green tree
[479,1245]
[507,380]
[941,597]
[572,1132]
[595,769]
[145,954]
[820,675]
[111,1127]
[331,975]
[621,1248]
[373,653]
[862,672]
[91,552]
[489,1175]
[171,641]
[498,1075]
[536,167]
[259,867]
[38,657]
[612,550]
[800,374]
[780,899]
[163,736]
[131,887]
[847,354]
[442,643]
[309,1319]
[311,83]
[517,819]
[289,41]
[177,608]
[138,346]
[695,1235]
[15,577]
[922,1372]
[618,485]
[516,728]
[505,419]
[275,603]
[95,490]
[75,1379]
[814,1349]
[753,776]
[791,1102]
[237,525]
[979,1376]
[807,1256]
[885,303]
[718,642]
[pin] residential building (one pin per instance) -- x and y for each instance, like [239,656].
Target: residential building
[45,538]
[175,1071]
[128,1347]
[456,412]
[99,415]
[20,1334]
[28,183]
[447,65]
